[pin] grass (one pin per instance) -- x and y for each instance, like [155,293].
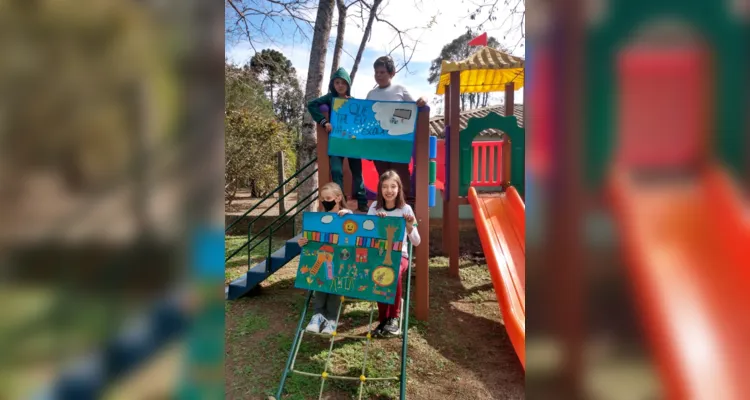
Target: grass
[251,323]
[445,360]
[346,359]
[237,265]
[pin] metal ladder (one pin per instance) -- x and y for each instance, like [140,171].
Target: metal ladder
[324,376]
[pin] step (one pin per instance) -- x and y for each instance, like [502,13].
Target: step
[257,273]
[292,247]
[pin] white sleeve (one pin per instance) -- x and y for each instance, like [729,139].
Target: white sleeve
[373,208]
[406,95]
[414,235]
[348,211]
[369,95]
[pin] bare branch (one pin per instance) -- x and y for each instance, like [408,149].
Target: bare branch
[513,11]
[403,37]
[366,36]
[257,20]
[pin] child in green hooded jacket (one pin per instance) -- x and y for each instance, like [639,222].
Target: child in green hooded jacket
[340,86]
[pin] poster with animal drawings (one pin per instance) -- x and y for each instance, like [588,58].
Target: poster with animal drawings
[352,255]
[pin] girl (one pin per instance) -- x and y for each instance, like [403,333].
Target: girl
[325,305]
[391,203]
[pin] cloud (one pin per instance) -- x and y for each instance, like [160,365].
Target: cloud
[396,118]
[326,219]
[368,225]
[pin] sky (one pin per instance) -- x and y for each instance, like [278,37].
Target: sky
[450,21]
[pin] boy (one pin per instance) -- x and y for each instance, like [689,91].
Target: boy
[385,70]
[340,87]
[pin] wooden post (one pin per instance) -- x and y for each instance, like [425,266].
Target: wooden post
[446,184]
[565,222]
[421,191]
[510,109]
[282,178]
[324,164]
[452,154]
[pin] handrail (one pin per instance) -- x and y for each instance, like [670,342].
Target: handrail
[269,226]
[291,217]
[257,217]
[267,232]
[266,197]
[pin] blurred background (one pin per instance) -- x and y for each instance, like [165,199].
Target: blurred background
[637,199]
[111,163]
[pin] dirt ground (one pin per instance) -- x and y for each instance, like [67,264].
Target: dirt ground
[243,202]
[463,352]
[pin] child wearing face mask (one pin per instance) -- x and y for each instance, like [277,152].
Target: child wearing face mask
[326,305]
[391,203]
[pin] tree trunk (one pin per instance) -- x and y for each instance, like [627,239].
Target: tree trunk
[309,141]
[365,38]
[340,30]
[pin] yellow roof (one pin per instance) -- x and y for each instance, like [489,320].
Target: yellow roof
[487,70]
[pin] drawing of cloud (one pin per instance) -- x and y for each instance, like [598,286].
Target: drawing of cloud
[369,225]
[396,118]
[326,219]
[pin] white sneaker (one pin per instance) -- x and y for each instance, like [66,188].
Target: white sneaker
[315,323]
[330,327]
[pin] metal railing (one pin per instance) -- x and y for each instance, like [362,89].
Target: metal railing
[266,234]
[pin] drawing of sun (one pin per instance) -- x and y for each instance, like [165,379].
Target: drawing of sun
[338,103]
[383,276]
[350,227]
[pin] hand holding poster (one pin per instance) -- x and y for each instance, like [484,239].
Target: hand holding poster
[352,255]
[373,130]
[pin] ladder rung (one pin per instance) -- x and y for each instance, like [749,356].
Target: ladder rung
[348,378]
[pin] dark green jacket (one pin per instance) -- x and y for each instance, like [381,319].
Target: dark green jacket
[314,105]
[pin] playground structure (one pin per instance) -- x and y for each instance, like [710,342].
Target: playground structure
[500,219]
[424,170]
[488,165]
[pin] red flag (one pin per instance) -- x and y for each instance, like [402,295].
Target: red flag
[480,40]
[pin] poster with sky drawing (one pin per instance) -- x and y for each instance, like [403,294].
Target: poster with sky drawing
[353,256]
[373,130]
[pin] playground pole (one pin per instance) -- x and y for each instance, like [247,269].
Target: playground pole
[451,224]
[422,182]
[405,316]
[294,345]
[446,124]
[510,109]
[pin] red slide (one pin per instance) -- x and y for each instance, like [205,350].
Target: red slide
[501,223]
[688,250]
